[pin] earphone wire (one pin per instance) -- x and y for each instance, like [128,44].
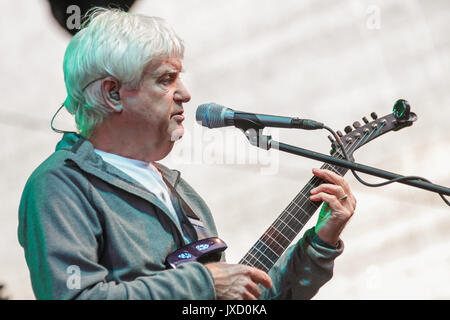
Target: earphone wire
[53,119]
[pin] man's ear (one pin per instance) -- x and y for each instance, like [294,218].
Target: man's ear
[110,91]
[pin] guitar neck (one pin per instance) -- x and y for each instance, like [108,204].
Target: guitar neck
[277,238]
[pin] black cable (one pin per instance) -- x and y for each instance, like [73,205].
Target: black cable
[405,178]
[53,118]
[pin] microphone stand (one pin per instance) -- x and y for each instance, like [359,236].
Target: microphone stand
[266,142]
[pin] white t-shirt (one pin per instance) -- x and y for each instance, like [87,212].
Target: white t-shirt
[145,173]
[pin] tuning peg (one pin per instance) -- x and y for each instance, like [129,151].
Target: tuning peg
[374,115]
[348,129]
[365,120]
[330,137]
[339,133]
[356,124]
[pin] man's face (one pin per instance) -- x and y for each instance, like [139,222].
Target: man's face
[154,112]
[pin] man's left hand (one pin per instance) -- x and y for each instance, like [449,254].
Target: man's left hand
[340,205]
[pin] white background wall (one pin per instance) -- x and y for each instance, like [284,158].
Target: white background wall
[333,61]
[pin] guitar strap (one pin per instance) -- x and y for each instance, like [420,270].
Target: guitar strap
[199,228]
[194,229]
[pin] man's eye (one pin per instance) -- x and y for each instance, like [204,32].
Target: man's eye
[168,79]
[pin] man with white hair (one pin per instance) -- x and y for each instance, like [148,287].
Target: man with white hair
[98,218]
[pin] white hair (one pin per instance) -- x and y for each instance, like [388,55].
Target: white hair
[112,43]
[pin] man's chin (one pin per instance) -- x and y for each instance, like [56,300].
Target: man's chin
[177,134]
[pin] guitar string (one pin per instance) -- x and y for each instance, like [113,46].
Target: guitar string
[268,245]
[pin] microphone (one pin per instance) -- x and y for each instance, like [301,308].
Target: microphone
[213,115]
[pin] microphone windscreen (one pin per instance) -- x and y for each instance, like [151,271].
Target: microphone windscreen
[211,115]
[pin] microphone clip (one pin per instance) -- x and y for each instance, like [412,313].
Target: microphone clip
[258,139]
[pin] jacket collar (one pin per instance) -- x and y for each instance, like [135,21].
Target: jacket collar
[84,155]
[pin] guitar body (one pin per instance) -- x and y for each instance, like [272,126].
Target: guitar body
[203,251]
[276,239]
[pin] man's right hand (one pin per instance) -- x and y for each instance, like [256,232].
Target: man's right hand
[238,281]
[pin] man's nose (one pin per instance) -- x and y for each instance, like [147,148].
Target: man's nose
[182,94]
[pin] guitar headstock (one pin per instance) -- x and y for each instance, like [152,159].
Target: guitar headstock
[359,134]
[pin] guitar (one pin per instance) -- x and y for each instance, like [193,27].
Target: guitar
[277,238]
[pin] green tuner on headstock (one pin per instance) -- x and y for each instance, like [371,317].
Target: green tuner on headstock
[402,113]
[401,110]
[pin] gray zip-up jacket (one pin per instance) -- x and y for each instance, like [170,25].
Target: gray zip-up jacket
[90,231]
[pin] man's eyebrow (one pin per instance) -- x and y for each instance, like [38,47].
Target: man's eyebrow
[165,70]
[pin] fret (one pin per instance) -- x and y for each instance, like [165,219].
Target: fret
[273,262]
[288,230]
[263,266]
[332,169]
[266,234]
[256,263]
[267,250]
[268,241]
[301,209]
[249,257]
[287,226]
[306,214]
[304,197]
[294,223]
[291,215]
[302,202]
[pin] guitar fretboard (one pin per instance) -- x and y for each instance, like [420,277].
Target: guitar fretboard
[277,238]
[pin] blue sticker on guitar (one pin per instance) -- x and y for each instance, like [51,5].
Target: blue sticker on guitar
[185,255]
[201,247]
